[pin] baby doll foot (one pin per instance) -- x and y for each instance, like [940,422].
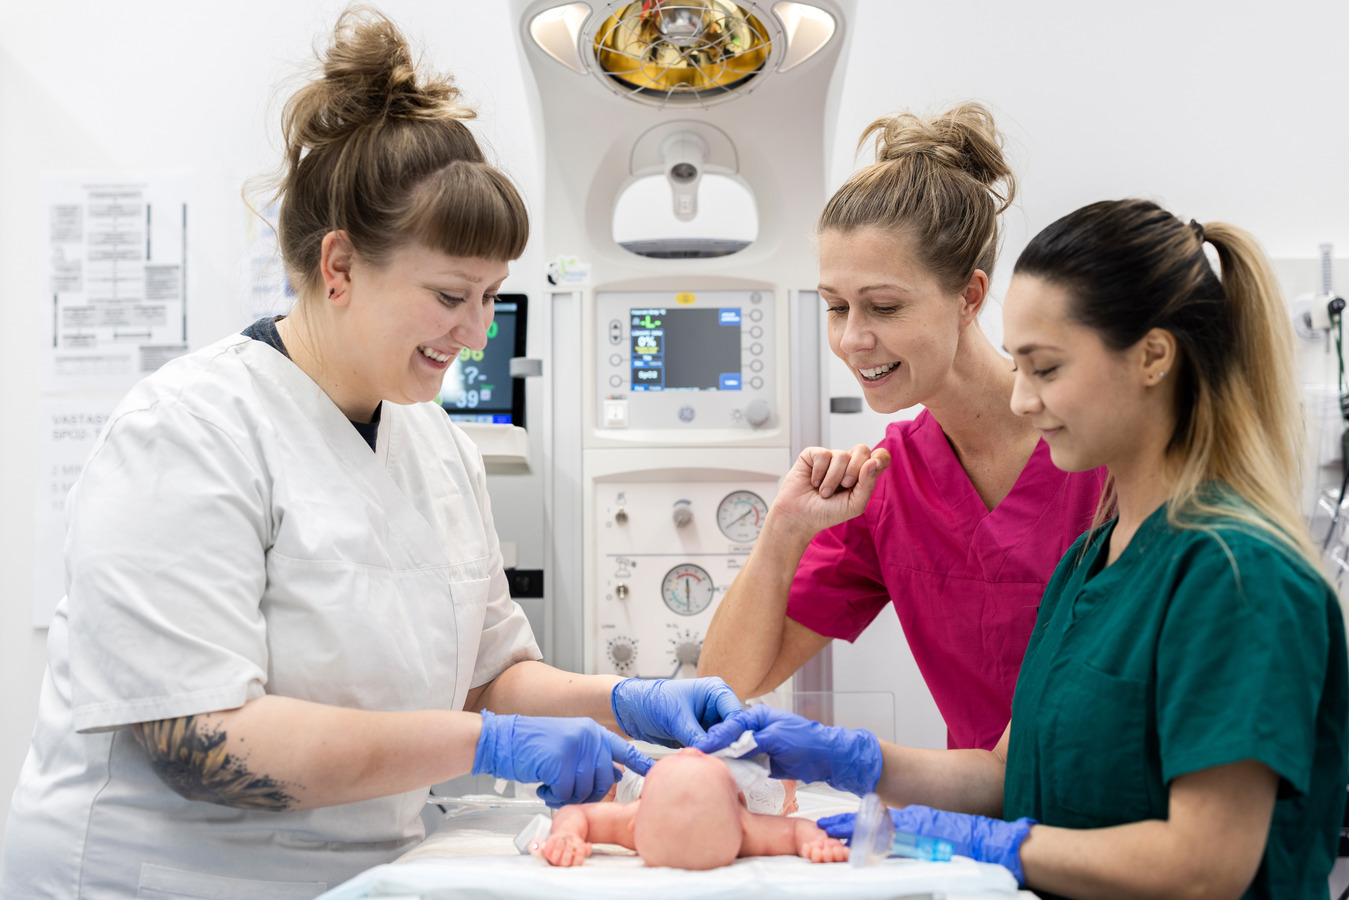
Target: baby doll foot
[561,850]
[825,850]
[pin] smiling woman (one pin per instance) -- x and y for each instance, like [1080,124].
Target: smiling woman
[1186,686]
[392,288]
[287,612]
[934,520]
[390,330]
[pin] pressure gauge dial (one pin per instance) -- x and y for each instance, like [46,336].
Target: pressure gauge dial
[740,516]
[687,589]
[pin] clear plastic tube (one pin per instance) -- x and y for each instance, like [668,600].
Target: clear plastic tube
[875,838]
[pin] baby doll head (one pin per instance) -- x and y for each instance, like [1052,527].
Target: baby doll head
[689,815]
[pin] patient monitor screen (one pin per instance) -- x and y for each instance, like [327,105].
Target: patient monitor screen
[479,386]
[686,349]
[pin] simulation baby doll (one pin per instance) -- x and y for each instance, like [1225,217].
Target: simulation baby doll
[690,816]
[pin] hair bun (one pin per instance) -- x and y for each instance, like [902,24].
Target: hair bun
[963,138]
[369,76]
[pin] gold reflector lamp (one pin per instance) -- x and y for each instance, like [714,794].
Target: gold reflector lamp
[681,49]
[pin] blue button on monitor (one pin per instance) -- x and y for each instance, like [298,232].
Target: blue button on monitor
[729,315]
[730,381]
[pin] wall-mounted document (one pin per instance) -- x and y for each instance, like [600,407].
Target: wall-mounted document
[118,276]
[66,431]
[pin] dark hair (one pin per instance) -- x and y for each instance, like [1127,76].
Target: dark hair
[377,151]
[1129,266]
[941,181]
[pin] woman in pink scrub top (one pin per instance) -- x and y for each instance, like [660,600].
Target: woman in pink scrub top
[956,517]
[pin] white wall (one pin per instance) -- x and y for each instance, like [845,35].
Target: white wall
[1236,111]
[1218,109]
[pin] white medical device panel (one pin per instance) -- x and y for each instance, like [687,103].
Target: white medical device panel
[664,555]
[676,364]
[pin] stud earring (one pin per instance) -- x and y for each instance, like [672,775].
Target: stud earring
[332,291]
[1161,375]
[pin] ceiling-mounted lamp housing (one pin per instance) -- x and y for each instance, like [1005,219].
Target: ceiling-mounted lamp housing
[682,51]
[557,31]
[808,29]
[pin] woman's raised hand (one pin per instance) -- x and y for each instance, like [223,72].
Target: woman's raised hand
[826,487]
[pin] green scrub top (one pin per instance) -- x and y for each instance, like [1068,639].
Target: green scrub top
[1196,648]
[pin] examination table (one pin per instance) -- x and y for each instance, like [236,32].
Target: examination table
[472,854]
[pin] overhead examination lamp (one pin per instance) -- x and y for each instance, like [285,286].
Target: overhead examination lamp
[681,52]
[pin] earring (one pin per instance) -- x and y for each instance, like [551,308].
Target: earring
[332,291]
[1161,375]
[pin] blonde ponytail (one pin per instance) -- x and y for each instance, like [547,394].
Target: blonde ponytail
[1254,417]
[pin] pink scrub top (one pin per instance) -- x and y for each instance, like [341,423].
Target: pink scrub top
[965,581]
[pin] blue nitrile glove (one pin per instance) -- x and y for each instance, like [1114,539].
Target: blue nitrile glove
[845,758]
[672,712]
[978,837]
[573,757]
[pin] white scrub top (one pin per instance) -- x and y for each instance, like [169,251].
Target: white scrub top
[233,535]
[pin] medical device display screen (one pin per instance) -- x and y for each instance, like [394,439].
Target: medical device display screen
[478,386]
[686,349]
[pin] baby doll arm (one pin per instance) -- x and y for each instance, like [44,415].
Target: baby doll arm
[784,836]
[816,846]
[576,827]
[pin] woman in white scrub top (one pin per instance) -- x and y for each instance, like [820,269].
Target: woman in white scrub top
[286,613]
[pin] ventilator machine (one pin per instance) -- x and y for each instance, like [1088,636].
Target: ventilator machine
[683,170]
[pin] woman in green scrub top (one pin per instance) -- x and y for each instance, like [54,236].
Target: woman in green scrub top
[1179,723]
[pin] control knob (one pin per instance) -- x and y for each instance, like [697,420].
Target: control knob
[757,413]
[622,653]
[687,652]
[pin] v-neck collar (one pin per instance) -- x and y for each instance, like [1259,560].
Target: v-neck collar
[1094,580]
[990,538]
[418,536]
[1144,537]
[319,408]
[1027,496]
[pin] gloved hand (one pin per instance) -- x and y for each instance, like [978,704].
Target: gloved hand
[573,757]
[800,748]
[978,837]
[673,713]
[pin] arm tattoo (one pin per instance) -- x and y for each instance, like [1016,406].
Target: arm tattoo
[189,756]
